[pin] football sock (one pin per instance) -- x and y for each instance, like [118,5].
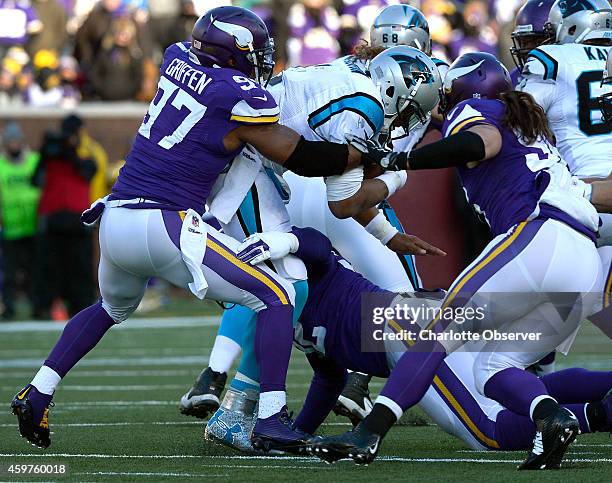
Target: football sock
[273,342]
[503,388]
[223,353]
[413,373]
[80,335]
[46,380]
[577,385]
[270,403]
[243,383]
[381,419]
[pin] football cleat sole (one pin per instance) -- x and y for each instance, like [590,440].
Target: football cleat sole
[271,446]
[199,406]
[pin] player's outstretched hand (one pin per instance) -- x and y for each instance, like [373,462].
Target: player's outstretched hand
[271,245]
[413,245]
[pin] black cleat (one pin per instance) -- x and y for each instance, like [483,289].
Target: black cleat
[554,434]
[359,444]
[32,410]
[205,395]
[354,402]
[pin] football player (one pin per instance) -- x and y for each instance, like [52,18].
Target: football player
[329,103]
[565,80]
[335,334]
[514,177]
[395,25]
[536,24]
[209,104]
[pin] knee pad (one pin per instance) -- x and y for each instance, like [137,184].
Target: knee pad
[118,314]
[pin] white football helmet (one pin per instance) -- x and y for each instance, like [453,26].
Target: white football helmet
[409,84]
[584,20]
[401,25]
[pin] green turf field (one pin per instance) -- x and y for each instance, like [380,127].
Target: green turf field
[116,417]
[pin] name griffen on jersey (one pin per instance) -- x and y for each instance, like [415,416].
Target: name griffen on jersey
[566,81]
[523,181]
[178,152]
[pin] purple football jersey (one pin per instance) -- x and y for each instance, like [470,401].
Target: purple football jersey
[333,306]
[178,152]
[506,189]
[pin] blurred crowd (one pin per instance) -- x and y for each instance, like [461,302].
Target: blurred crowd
[47,253]
[56,53]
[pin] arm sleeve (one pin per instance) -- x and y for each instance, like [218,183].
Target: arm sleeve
[326,385]
[539,78]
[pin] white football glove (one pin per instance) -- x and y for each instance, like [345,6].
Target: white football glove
[271,245]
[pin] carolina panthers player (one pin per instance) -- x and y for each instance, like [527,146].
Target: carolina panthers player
[209,104]
[565,80]
[318,203]
[335,335]
[330,103]
[536,24]
[512,174]
[395,25]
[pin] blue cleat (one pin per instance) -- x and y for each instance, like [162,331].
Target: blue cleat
[278,433]
[32,410]
[233,422]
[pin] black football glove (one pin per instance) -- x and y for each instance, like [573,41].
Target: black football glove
[373,154]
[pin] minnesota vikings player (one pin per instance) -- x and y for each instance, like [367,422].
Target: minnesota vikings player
[333,103]
[335,334]
[514,177]
[565,80]
[536,24]
[209,104]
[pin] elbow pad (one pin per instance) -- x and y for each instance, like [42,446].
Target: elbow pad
[318,158]
[453,151]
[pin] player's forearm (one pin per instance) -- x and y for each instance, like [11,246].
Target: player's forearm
[371,193]
[306,158]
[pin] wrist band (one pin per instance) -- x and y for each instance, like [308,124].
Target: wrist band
[394,180]
[381,229]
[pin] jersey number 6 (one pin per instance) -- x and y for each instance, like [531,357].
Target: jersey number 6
[587,104]
[196,112]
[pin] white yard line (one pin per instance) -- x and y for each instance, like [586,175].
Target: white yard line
[147,423]
[145,323]
[113,361]
[149,473]
[395,459]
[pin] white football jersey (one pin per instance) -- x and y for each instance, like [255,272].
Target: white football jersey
[330,102]
[566,81]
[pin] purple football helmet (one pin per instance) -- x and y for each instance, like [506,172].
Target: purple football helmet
[533,28]
[476,75]
[234,37]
